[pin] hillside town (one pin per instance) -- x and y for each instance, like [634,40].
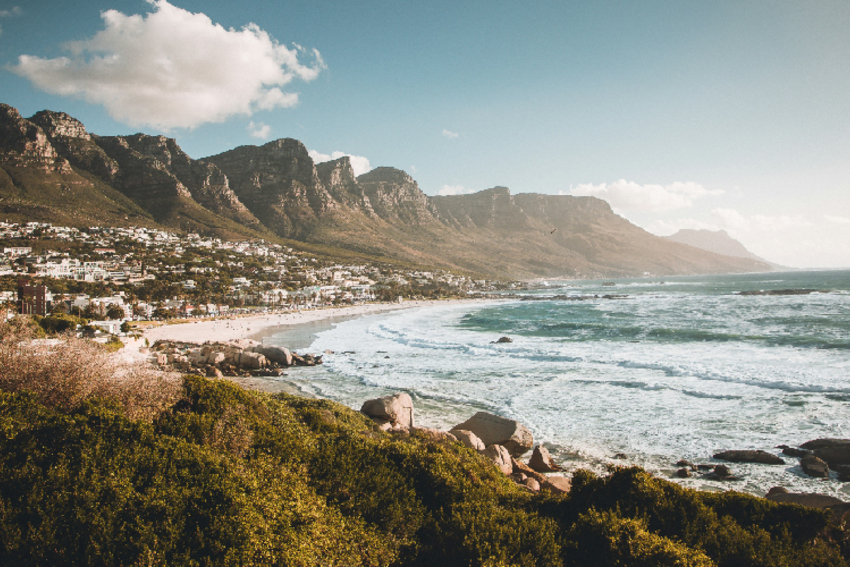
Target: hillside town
[122,274]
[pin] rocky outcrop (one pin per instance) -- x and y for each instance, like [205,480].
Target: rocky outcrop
[494,429]
[469,439]
[542,461]
[23,143]
[500,457]
[243,357]
[279,184]
[397,410]
[750,456]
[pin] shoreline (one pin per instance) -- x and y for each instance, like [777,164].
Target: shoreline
[257,326]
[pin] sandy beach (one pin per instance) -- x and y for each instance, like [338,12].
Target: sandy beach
[232,328]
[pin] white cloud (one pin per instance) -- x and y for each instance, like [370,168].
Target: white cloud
[449,134]
[259,130]
[628,195]
[837,220]
[172,68]
[359,164]
[16,11]
[733,220]
[454,190]
[668,227]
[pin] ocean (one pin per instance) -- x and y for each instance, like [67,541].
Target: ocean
[620,372]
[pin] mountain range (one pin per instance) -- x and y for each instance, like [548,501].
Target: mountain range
[52,169]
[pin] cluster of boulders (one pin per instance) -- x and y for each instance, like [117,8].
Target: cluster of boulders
[501,440]
[242,357]
[820,456]
[817,458]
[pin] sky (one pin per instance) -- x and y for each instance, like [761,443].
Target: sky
[704,115]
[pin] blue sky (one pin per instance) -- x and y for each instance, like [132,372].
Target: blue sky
[732,115]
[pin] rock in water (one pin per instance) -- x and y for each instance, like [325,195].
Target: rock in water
[750,456]
[815,467]
[826,443]
[397,409]
[493,429]
[837,455]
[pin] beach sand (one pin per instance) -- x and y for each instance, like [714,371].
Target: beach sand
[254,327]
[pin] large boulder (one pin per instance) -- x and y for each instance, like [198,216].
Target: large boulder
[497,430]
[280,355]
[396,409]
[520,467]
[835,455]
[542,461]
[815,467]
[557,485]
[252,360]
[469,439]
[500,456]
[750,456]
[825,443]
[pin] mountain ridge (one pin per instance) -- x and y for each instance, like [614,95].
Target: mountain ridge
[277,191]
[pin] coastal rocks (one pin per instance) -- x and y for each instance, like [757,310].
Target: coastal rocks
[825,443]
[469,439]
[843,473]
[493,429]
[279,355]
[242,357]
[750,456]
[721,472]
[542,461]
[500,457]
[557,485]
[835,456]
[396,409]
[814,466]
[520,467]
[503,340]
[796,453]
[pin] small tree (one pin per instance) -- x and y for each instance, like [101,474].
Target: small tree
[114,312]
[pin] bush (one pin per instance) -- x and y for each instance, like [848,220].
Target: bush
[66,373]
[226,476]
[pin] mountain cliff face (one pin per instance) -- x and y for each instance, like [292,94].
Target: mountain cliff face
[51,168]
[63,173]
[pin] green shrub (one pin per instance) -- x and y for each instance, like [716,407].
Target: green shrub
[227,476]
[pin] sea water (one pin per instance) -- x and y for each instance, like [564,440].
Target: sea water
[642,372]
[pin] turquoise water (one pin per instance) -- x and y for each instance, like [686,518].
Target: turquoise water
[663,370]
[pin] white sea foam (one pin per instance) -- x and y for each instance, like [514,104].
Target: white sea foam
[660,376]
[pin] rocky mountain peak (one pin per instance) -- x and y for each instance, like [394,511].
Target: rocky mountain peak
[387,175]
[57,124]
[25,143]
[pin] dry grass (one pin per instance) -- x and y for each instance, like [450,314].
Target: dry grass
[66,372]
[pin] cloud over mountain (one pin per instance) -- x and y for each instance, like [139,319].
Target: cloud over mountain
[172,68]
[359,164]
[628,195]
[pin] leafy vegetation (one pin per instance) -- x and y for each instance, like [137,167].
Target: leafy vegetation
[219,475]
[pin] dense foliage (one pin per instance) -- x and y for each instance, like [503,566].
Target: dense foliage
[227,476]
